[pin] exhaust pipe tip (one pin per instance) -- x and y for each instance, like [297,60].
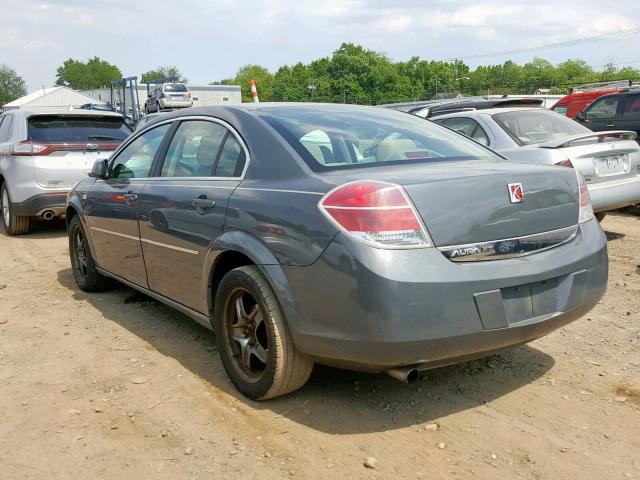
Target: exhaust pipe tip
[48,215]
[406,375]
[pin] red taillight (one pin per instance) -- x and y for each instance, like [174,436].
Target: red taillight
[565,163]
[585,212]
[378,213]
[29,148]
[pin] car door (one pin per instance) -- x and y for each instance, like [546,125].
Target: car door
[111,209]
[630,113]
[602,114]
[183,207]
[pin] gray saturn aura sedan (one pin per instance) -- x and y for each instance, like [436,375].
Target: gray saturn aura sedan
[351,236]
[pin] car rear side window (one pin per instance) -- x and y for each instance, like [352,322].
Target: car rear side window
[341,137]
[468,127]
[631,108]
[561,109]
[78,129]
[194,149]
[232,159]
[5,128]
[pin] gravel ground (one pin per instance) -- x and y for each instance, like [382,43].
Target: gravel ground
[115,385]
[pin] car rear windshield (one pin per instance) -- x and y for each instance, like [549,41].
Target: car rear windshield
[80,129]
[530,127]
[343,137]
[175,88]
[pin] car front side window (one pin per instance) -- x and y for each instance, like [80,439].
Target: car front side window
[602,108]
[135,160]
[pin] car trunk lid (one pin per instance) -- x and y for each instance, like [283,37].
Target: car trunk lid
[601,156]
[466,202]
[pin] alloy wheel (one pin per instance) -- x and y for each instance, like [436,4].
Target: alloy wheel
[6,213]
[247,337]
[80,253]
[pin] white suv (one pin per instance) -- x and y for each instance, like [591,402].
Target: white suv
[44,154]
[168,96]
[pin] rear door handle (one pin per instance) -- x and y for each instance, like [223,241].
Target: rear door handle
[610,125]
[202,204]
[130,198]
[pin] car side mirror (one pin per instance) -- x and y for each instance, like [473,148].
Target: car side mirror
[581,116]
[100,169]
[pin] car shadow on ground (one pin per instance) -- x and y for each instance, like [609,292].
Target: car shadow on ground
[42,229]
[333,401]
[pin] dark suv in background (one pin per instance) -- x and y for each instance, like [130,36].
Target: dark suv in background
[615,111]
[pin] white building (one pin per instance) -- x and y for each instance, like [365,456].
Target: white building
[56,97]
[203,95]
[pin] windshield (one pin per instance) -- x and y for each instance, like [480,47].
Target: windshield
[330,138]
[81,129]
[530,127]
[175,87]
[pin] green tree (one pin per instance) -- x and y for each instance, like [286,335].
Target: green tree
[95,73]
[354,74]
[12,85]
[259,74]
[163,72]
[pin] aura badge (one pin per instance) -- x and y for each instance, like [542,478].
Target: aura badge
[515,192]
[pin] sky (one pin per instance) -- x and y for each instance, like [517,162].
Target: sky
[210,39]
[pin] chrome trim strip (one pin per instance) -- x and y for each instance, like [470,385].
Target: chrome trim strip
[609,183]
[280,190]
[509,247]
[135,134]
[110,232]
[152,242]
[172,247]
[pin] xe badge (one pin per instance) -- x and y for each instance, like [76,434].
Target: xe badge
[515,192]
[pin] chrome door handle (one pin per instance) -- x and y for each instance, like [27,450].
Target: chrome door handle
[610,125]
[203,204]
[130,198]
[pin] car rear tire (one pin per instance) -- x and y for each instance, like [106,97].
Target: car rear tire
[84,268]
[600,216]
[254,344]
[13,224]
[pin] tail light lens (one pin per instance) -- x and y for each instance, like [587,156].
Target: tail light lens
[28,148]
[162,95]
[586,210]
[565,163]
[377,213]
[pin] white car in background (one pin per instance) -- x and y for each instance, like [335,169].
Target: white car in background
[609,161]
[44,154]
[168,96]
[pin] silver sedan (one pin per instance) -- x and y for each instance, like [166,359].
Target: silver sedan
[609,161]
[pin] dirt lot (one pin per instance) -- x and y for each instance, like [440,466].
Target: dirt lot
[115,385]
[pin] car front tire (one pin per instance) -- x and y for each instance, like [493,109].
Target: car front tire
[84,268]
[13,224]
[255,346]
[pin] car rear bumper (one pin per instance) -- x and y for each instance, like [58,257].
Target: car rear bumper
[612,195]
[176,103]
[38,204]
[380,309]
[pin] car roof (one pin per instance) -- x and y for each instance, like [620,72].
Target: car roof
[75,112]
[489,111]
